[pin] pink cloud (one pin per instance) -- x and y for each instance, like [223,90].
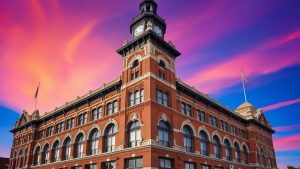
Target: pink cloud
[287,143]
[287,128]
[255,62]
[281,104]
[47,43]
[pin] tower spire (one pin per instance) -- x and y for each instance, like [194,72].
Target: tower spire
[148,6]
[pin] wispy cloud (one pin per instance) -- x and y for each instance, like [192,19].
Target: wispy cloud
[281,104]
[73,43]
[255,62]
[287,128]
[287,143]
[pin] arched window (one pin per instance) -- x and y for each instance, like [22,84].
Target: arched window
[25,156]
[246,154]
[162,64]
[164,132]
[263,157]
[227,150]
[110,138]
[237,152]
[78,146]
[134,133]
[55,151]
[204,143]
[135,64]
[258,156]
[188,139]
[15,160]
[20,157]
[217,146]
[36,156]
[66,149]
[45,154]
[93,142]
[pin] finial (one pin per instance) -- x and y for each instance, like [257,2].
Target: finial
[149,26]
[171,43]
[125,42]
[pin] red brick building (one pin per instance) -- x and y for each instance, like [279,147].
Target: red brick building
[147,118]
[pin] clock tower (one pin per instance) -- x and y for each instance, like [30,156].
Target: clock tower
[148,9]
[149,70]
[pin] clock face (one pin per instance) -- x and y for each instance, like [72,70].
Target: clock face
[158,31]
[138,30]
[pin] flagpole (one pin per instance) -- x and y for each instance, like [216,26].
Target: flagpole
[36,96]
[245,96]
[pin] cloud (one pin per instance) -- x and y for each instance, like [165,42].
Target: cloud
[287,143]
[287,128]
[257,61]
[281,104]
[73,43]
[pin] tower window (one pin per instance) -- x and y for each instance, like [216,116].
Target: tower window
[135,64]
[162,64]
[162,97]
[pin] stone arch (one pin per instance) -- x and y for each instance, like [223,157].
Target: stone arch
[110,121]
[236,141]
[203,128]
[46,142]
[244,144]
[164,117]
[80,131]
[56,139]
[227,138]
[139,58]
[95,126]
[36,146]
[65,137]
[188,123]
[160,58]
[133,117]
[216,133]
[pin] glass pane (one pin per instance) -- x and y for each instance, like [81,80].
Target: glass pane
[139,162]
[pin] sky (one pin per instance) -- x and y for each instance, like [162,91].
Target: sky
[69,46]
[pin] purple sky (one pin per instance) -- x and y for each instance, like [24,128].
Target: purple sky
[70,46]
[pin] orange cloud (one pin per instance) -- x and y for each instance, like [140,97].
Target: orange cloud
[281,104]
[73,43]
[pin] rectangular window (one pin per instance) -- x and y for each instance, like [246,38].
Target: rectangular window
[213,121]
[161,74]
[201,116]
[109,109]
[234,130]
[162,98]
[59,127]
[82,119]
[134,163]
[205,166]
[70,123]
[109,165]
[137,97]
[91,166]
[134,75]
[116,106]
[218,167]
[76,167]
[50,131]
[97,113]
[165,163]
[165,99]
[186,109]
[188,165]
[131,99]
